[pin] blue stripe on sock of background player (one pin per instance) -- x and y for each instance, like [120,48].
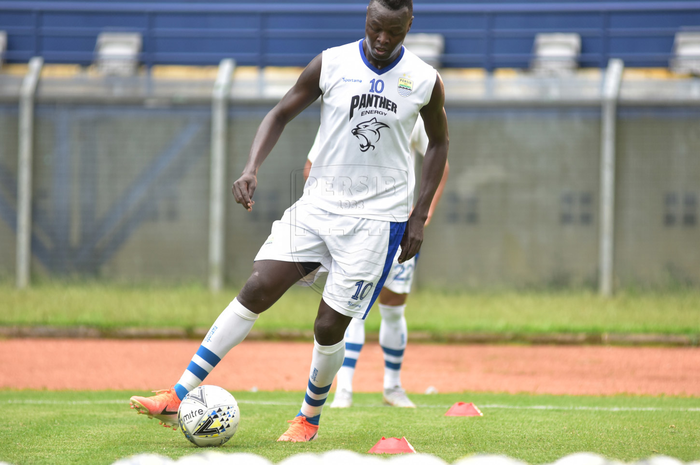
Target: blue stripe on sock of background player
[352,346]
[392,366]
[393,352]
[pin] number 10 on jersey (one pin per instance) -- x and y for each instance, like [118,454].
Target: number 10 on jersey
[376,86]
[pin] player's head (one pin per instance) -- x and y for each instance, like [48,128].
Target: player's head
[388,22]
[395,4]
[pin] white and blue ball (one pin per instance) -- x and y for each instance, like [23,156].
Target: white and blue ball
[208,416]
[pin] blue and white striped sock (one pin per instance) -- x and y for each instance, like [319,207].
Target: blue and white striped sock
[393,333]
[325,363]
[232,326]
[354,341]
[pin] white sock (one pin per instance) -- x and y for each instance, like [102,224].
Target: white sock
[325,363]
[232,326]
[393,334]
[354,340]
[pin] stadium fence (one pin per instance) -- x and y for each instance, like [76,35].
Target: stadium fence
[590,180]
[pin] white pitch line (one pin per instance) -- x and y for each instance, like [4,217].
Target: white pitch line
[595,409]
[64,402]
[481,406]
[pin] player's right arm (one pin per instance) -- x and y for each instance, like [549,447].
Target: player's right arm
[299,97]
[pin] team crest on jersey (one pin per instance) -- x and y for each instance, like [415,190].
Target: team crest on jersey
[367,132]
[405,87]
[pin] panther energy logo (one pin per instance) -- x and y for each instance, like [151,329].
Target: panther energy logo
[368,133]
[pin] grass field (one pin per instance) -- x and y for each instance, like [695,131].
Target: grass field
[434,312]
[99,427]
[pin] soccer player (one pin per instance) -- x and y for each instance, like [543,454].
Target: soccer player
[393,330]
[355,210]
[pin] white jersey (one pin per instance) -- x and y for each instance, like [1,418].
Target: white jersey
[364,167]
[419,141]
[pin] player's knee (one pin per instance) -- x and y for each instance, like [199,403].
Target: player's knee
[256,294]
[329,329]
[389,297]
[391,314]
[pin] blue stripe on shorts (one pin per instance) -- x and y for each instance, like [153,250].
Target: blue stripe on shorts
[395,236]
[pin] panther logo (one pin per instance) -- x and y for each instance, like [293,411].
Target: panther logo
[368,133]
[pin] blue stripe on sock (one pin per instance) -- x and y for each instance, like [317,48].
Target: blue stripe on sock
[314,402]
[210,357]
[393,366]
[181,391]
[393,352]
[352,346]
[198,371]
[312,420]
[350,362]
[318,390]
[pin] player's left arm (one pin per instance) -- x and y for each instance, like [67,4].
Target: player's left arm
[435,121]
[307,169]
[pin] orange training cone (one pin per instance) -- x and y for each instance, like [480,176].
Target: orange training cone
[392,446]
[462,409]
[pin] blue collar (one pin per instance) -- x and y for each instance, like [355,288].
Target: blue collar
[383,70]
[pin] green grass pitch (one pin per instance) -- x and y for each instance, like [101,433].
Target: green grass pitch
[435,312]
[42,427]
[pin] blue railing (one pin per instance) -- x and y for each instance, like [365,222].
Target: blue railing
[482,35]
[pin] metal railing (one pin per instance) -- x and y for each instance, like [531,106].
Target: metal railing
[597,97]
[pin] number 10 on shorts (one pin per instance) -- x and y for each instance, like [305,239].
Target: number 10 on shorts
[362,290]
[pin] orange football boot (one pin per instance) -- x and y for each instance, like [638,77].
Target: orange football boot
[300,430]
[163,406]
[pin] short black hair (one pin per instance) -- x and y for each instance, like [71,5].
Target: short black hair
[395,4]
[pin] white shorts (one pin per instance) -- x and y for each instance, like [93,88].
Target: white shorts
[400,277]
[357,252]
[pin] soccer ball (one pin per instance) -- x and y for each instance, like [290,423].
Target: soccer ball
[208,416]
